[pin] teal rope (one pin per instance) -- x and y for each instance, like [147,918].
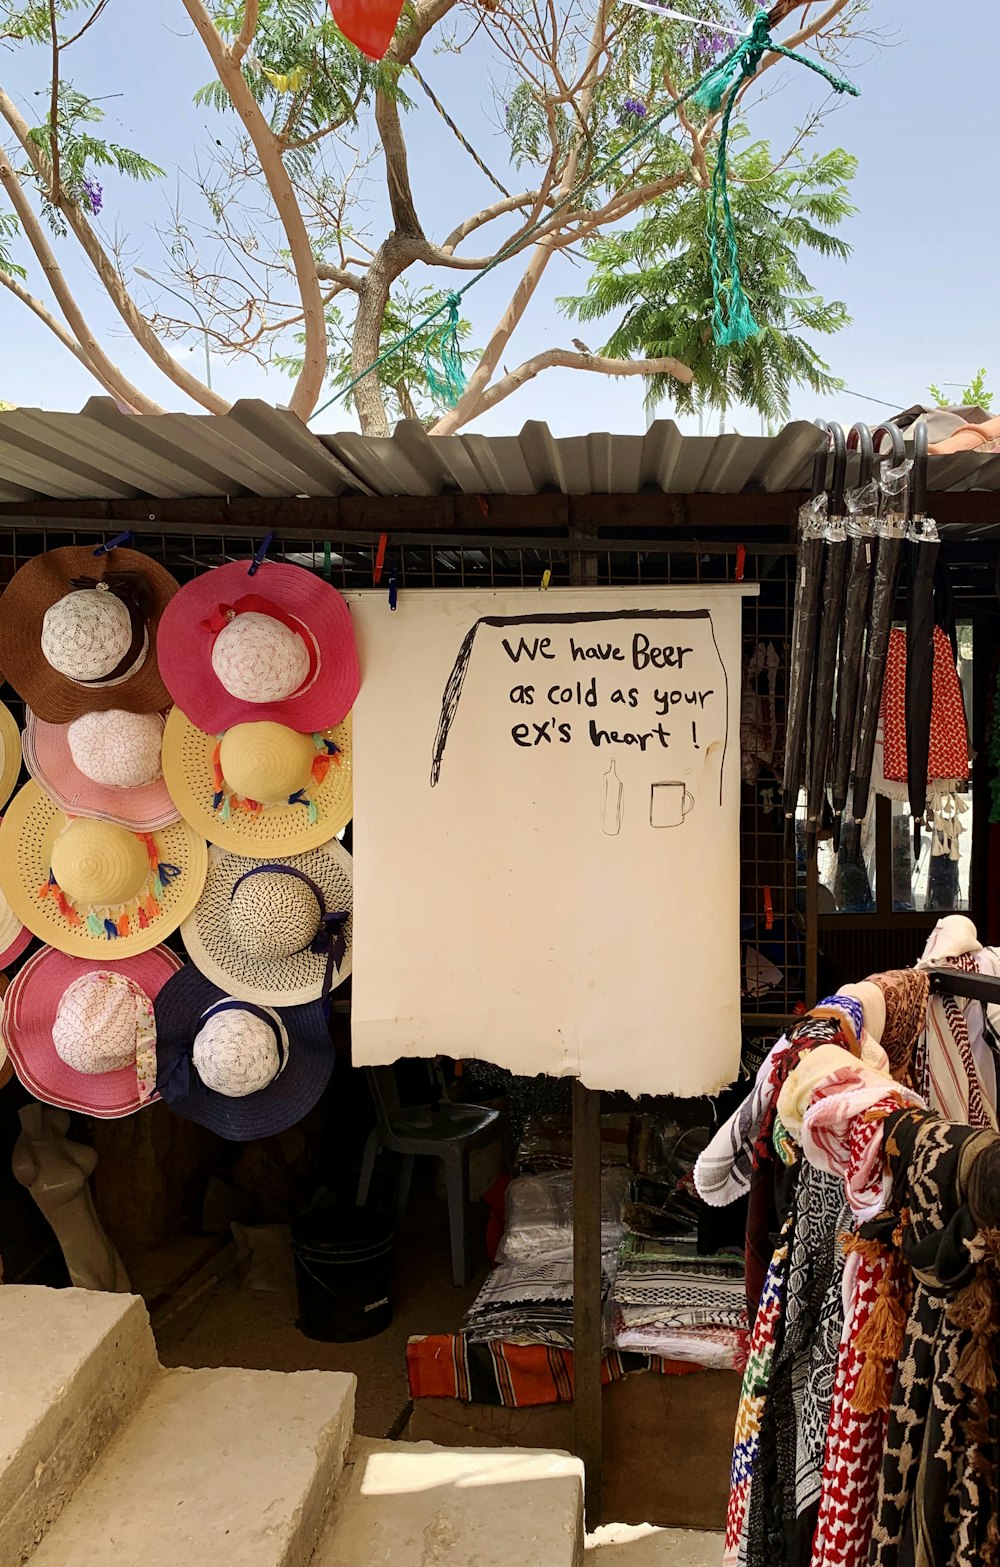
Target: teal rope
[709,92]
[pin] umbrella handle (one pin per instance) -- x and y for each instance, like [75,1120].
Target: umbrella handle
[898,452]
[839,479]
[918,478]
[819,461]
[860,439]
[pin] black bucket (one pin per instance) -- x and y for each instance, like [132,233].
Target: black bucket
[343,1258]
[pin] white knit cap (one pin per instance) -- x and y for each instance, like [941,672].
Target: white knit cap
[86,634]
[119,750]
[257,658]
[273,914]
[236,1052]
[102,1023]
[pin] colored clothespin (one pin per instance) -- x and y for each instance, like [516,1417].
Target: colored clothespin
[110,544]
[327,560]
[546,578]
[260,556]
[383,540]
[392,587]
[768,910]
[741,561]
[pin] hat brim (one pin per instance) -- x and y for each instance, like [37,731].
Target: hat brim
[274,829]
[179,1008]
[10,754]
[49,760]
[14,937]
[42,582]
[6,1064]
[29,1013]
[277,982]
[27,833]
[186,643]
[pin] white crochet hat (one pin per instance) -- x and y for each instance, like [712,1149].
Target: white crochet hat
[119,750]
[238,1049]
[85,636]
[260,659]
[103,764]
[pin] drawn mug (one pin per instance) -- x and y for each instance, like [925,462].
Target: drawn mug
[669,803]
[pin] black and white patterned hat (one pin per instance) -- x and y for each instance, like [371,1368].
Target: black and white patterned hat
[277,932]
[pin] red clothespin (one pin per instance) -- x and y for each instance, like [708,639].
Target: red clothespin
[768,910]
[741,561]
[383,540]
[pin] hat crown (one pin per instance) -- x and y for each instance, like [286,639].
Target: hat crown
[236,1053]
[116,749]
[86,634]
[257,658]
[99,864]
[95,1027]
[272,915]
[266,761]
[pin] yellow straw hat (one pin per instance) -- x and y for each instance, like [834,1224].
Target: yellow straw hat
[92,888]
[260,789]
[10,753]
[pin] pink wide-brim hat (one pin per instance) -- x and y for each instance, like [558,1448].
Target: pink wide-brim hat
[189,629]
[49,760]
[29,1012]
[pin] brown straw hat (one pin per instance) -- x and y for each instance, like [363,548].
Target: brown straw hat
[78,632]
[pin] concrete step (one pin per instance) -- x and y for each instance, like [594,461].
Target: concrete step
[411,1504]
[74,1364]
[219,1468]
[640,1545]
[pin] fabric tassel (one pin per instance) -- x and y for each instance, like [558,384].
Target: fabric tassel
[872,1390]
[94,925]
[313,812]
[110,929]
[168,873]
[46,890]
[151,907]
[217,799]
[320,766]
[254,806]
[298,798]
[143,918]
[157,887]
[123,925]
[226,811]
[975,1310]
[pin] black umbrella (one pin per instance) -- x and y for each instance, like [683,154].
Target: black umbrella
[922,553]
[893,523]
[831,612]
[862,506]
[808,580]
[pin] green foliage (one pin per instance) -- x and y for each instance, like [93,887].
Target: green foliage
[303,73]
[975,394]
[655,281]
[9,229]
[404,374]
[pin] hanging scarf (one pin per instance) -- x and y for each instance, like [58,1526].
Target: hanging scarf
[906,992]
[753,1395]
[954,1084]
[948,758]
[772,1529]
[816,1398]
[938,1492]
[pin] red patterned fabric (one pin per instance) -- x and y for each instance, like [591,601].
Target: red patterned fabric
[949,749]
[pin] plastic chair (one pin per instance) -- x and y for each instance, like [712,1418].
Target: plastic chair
[446,1131]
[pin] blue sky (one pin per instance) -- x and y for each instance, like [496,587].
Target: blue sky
[917,286]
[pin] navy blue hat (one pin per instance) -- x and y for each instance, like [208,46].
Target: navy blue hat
[241,1069]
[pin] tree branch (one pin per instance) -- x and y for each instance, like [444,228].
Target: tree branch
[110,277]
[53,323]
[328,273]
[55,190]
[479,219]
[251,16]
[564,359]
[310,382]
[107,373]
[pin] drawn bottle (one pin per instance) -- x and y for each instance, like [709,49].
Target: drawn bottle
[613,791]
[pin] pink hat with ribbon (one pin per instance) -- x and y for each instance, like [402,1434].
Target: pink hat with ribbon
[259,640]
[82,1035]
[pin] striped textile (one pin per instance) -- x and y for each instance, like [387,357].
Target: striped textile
[512,1376]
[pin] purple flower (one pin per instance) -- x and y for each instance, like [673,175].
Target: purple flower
[634,106]
[92,195]
[712,45]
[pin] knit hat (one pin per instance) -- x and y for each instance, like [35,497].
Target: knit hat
[10,754]
[78,632]
[239,1068]
[275,931]
[89,887]
[276,646]
[82,1034]
[103,764]
[260,788]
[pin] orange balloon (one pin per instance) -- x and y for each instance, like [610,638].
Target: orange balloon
[368,24]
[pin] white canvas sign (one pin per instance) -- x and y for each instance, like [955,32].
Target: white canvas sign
[546,833]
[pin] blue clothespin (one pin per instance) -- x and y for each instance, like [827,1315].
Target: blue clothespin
[110,544]
[260,556]
[392,588]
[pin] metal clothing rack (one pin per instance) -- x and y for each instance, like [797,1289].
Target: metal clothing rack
[955,982]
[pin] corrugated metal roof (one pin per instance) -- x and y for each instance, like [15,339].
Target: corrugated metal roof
[256,450]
